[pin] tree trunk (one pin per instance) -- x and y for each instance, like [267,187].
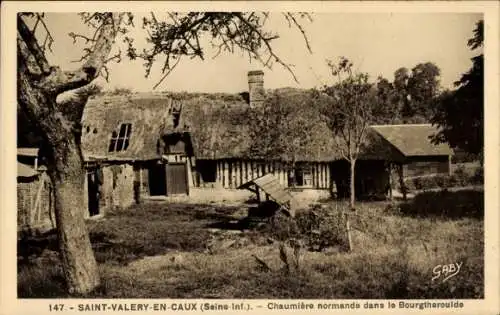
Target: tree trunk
[352,188]
[38,85]
[79,264]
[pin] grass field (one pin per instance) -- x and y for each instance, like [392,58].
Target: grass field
[160,250]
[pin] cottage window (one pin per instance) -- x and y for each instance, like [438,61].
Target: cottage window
[301,176]
[120,141]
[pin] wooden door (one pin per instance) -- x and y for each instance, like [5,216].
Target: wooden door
[177,181]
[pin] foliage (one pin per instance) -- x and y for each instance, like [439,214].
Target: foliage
[446,204]
[411,96]
[323,227]
[351,106]
[174,35]
[459,113]
[459,178]
[286,127]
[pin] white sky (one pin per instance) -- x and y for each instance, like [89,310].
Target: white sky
[377,43]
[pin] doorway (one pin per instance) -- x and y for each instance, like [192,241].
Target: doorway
[93,186]
[156,180]
[177,179]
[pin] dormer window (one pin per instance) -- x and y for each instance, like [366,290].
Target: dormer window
[120,141]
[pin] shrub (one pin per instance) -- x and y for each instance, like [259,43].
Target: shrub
[417,182]
[464,203]
[461,176]
[478,177]
[282,227]
[322,227]
[441,181]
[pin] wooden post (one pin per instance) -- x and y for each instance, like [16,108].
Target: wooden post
[240,171]
[230,174]
[401,180]
[235,174]
[390,181]
[320,176]
[226,175]
[285,175]
[247,171]
[449,165]
[325,180]
[328,184]
[318,173]
[278,173]
[313,173]
[34,209]
[217,171]
[348,231]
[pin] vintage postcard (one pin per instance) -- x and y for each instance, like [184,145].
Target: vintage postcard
[262,157]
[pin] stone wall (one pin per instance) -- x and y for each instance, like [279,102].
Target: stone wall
[118,186]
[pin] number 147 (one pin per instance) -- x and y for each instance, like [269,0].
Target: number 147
[56,307]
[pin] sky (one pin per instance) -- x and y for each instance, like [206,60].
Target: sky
[377,43]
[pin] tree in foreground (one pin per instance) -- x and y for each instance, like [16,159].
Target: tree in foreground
[459,113]
[351,107]
[170,38]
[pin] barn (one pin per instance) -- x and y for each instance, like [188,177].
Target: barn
[420,156]
[135,147]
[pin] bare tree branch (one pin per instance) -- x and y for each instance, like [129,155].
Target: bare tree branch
[32,45]
[95,58]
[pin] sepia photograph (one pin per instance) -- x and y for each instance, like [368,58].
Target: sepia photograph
[251,154]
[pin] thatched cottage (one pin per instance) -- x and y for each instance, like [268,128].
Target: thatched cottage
[134,146]
[147,145]
[155,145]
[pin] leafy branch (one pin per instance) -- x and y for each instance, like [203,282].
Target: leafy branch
[177,35]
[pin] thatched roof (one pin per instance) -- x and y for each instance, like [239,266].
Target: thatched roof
[148,115]
[219,128]
[413,139]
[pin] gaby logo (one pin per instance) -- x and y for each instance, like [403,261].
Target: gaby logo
[446,271]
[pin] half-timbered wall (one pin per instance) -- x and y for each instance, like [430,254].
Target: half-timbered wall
[232,173]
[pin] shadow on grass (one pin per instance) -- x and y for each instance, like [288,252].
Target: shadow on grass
[226,225]
[447,204]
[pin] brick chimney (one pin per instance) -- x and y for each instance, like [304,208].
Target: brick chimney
[256,92]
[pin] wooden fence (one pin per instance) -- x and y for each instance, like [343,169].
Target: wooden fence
[35,204]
